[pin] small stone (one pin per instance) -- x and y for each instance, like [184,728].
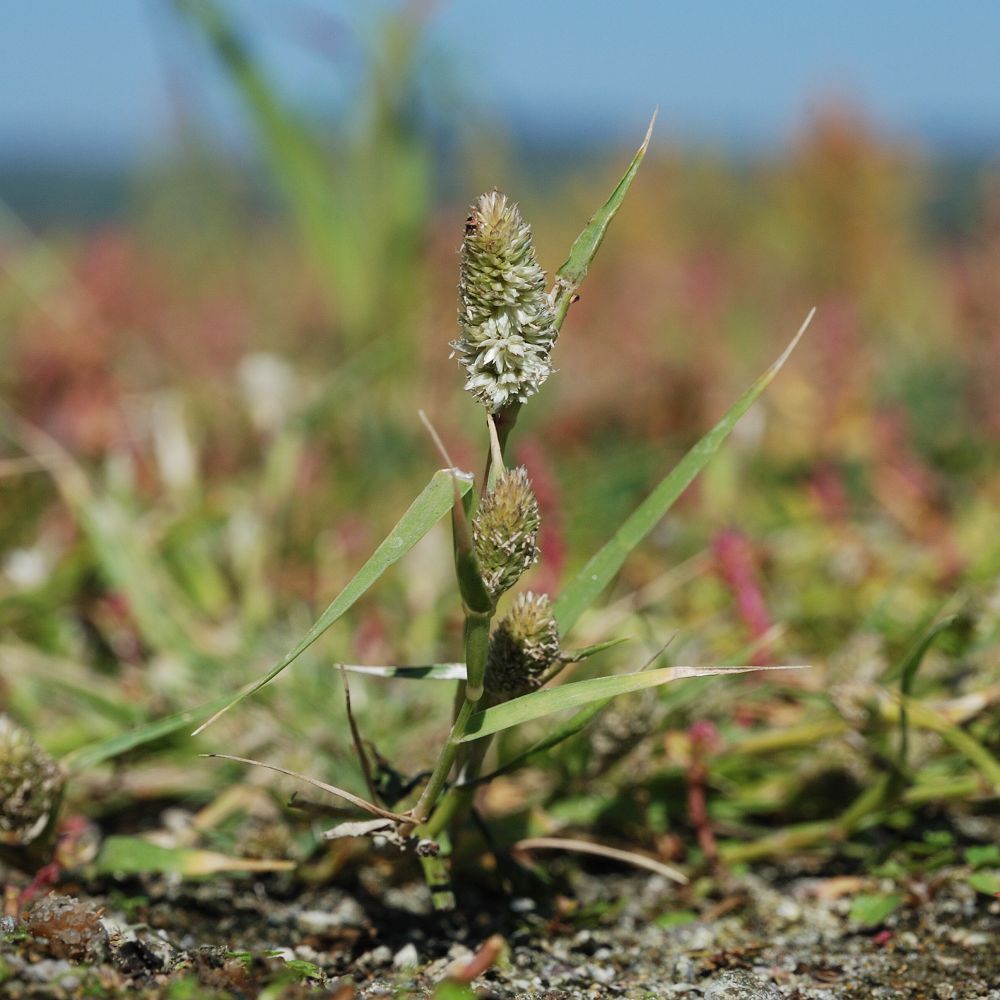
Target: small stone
[377,958]
[347,913]
[602,974]
[317,921]
[740,986]
[406,957]
[701,938]
[48,970]
[684,968]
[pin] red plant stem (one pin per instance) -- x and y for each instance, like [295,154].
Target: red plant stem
[697,775]
[735,564]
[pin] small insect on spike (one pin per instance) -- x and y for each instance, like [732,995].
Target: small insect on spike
[523,646]
[506,319]
[505,531]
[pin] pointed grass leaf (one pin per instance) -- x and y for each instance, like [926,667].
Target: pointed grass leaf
[907,672]
[577,722]
[430,506]
[541,703]
[600,850]
[570,276]
[427,672]
[97,753]
[136,856]
[340,793]
[573,725]
[585,652]
[959,738]
[588,583]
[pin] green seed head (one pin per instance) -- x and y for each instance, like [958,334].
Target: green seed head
[522,647]
[505,316]
[30,786]
[505,531]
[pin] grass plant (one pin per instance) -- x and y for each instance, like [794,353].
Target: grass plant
[163,543]
[509,326]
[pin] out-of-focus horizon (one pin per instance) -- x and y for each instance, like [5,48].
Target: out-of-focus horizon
[98,97]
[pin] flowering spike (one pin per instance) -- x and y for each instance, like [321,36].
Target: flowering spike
[505,316]
[522,647]
[505,531]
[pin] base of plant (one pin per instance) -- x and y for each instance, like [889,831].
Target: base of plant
[437,875]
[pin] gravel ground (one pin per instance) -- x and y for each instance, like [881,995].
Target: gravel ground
[762,936]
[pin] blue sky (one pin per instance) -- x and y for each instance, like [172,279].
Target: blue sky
[99,80]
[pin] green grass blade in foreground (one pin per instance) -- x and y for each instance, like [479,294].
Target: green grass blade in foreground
[570,276]
[584,588]
[907,675]
[430,506]
[541,703]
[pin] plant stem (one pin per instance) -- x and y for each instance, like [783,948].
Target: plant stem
[458,798]
[477,644]
[504,420]
[437,875]
[435,783]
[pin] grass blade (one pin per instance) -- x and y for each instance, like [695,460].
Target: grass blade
[430,506]
[907,675]
[428,672]
[577,655]
[97,753]
[161,613]
[573,725]
[340,793]
[136,856]
[301,166]
[965,743]
[541,703]
[615,854]
[584,588]
[570,276]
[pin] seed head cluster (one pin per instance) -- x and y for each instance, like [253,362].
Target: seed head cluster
[505,531]
[522,647]
[30,786]
[505,316]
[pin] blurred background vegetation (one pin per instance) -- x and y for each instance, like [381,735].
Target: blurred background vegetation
[210,368]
